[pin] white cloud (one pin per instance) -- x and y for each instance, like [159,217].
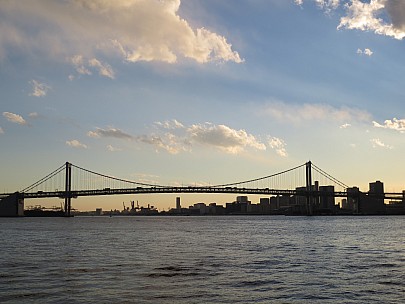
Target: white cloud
[111,132]
[366,52]
[328,5]
[345,126]
[133,30]
[224,138]
[113,149]
[104,69]
[1,130]
[377,143]
[297,113]
[39,89]
[368,17]
[33,115]
[394,124]
[84,67]
[383,17]
[76,144]
[169,142]
[279,145]
[174,137]
[170,124]
[146,178]
[79,64]
[15,118]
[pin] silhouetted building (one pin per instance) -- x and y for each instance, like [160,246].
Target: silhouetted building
[242,199]
[373,203]
[265,205]
[203,208]
[327,200]
[353,198]
[12,206]
[215,209]
[178,205]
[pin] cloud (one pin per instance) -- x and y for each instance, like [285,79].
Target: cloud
[345,126]
[368,17]
[278,145]
[33,115]
[383,17]
[168,142]
[111,132]
[132,30]
[1,130]
[367,52]
[146,178]
[327,5]
[76,144]
[15,118]
[84,66]
[297,113]
[170,124]
[377,143]
[223,137]
[39,89]
[394,124]
[80,65]
[174,137]
[113,149]
[104,69]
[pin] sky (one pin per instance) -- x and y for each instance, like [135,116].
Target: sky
[201,91]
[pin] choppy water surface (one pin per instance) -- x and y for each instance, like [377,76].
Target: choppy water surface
[202,260]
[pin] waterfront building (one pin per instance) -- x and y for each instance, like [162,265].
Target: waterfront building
[374,201]
[327,199]
[265,205]
[178,205]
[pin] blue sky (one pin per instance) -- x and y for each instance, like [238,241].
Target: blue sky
[202,91]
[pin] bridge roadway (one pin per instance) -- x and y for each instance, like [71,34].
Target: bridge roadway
[161,190]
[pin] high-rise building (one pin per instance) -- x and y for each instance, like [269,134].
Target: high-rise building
[178,205]
[242,199]
[375,200]
[353,198]
[327,198]
[377,187]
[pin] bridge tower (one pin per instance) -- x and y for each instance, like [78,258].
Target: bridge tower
[308,175]
[68,188]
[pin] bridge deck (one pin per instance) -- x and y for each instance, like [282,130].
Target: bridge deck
[224,190]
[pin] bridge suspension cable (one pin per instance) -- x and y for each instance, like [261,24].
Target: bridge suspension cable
[44,179]
[330,177]
[117,179]
[258,179]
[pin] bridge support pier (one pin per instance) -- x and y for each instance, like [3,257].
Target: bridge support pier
[68,189]
[308,174]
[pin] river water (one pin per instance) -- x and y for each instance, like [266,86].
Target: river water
[230,259]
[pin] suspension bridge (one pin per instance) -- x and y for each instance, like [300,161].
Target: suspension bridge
[70,181]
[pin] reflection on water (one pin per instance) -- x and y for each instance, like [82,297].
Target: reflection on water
[202,260]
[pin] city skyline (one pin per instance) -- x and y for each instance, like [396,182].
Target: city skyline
[196,92]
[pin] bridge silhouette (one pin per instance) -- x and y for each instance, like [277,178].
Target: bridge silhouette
[70,181]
